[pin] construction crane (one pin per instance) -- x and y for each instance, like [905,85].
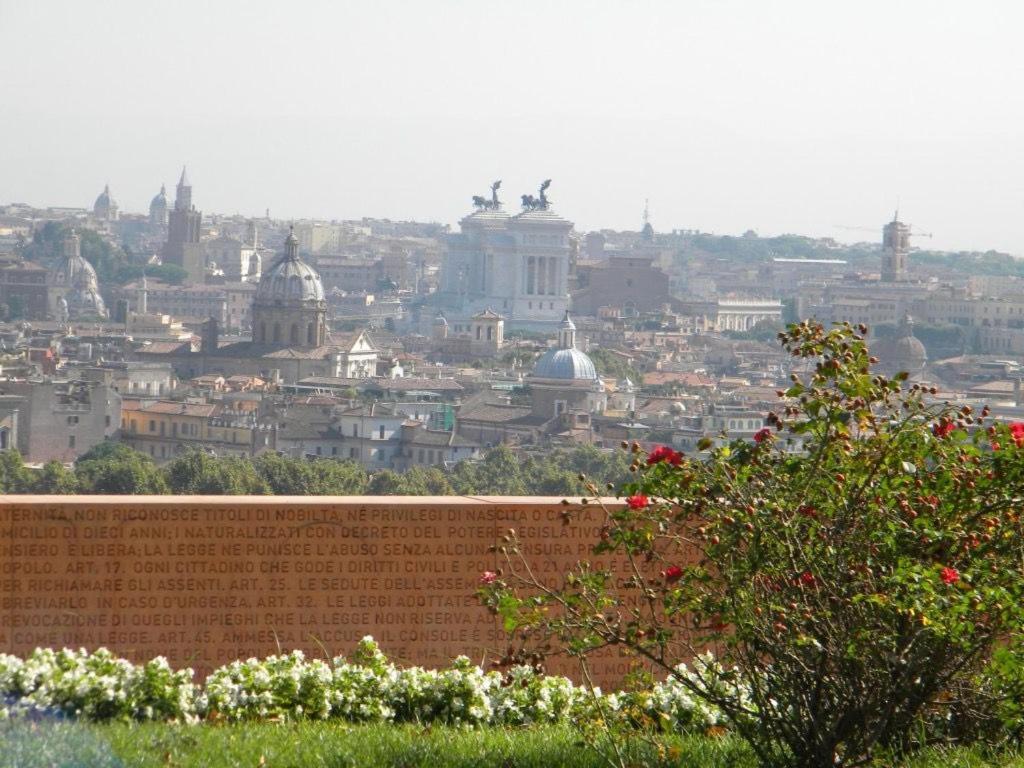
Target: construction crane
[856,229]
[876,229]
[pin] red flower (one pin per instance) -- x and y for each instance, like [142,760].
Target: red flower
[488,577]
[949,575]
[638,501]
[1017,432]
[672,573]
[664,453]
[807,579]
[943,428]
[761,435]
[808,511]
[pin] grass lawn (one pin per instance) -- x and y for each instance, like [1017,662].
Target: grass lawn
[67,745]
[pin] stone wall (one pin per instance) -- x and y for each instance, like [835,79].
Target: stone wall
[205,580]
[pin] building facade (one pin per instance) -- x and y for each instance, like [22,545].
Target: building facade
[516,265]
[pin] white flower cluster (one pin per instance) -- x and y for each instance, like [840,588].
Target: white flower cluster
[96,686]
[364,688]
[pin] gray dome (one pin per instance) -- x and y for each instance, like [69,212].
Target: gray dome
[71,269]
[903,352]
[290,279]
[104,203]
[160,200]
[565,364]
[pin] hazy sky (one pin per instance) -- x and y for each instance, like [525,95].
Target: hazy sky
[776,116]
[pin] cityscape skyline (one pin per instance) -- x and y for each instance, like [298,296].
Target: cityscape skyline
[725,117]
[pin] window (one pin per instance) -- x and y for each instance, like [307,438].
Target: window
[71,441]
[420,456]
[381,432]
[353,453]
[152,425]
[72,419]
[174,429]
[334,450]
[106,420]
[319,451]
[355,430]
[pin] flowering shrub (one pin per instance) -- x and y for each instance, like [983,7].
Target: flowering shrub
[97,686]
[365,688]
[275,688]
[853,592]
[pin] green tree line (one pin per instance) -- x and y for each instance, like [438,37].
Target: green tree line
[113,468]
[113,265]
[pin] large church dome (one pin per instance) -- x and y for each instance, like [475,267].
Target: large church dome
[565,364]
[565,361]
[290,279]
[71,269]
[290,308]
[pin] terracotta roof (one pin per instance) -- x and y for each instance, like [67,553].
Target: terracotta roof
[496,413]
[435,437]
[166,348]
[316,353]
[655,378]
[371,410]
[182,409]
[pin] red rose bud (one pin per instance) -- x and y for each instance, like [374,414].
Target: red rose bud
[949,575]
[1017,433]
[637,501]
[488,577]
[672,574]
[666,454]
[761,435]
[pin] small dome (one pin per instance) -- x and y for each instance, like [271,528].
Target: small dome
[290,279]
[565,364]
[160,200]
[903,352]
[105,205]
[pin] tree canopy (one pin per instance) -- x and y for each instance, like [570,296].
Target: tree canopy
[114,468]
